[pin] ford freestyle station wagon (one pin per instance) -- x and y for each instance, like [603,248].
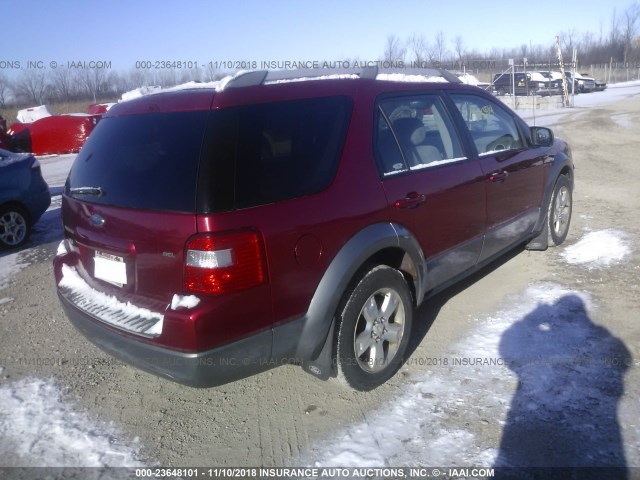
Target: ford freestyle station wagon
[210,234]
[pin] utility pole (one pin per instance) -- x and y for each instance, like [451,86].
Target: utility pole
[574,61]
[565,88]
[513,82]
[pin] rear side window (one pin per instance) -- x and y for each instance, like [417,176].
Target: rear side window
[414,133]
[141,161]
[261,154]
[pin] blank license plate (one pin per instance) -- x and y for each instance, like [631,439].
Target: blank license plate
[110,268]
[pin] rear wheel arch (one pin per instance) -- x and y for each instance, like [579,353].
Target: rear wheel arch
[384,244]
[398,259]
[19,206]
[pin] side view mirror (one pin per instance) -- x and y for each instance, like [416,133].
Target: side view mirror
[541,136]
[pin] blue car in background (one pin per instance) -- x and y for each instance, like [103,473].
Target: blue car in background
[24,197]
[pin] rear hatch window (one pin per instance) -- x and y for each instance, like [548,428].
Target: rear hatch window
[147,161]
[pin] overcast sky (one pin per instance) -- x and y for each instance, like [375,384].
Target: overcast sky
[124,32]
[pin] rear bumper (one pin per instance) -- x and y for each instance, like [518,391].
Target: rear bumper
[209,368]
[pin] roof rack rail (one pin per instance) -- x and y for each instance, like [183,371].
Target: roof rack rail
[449,76]
[369,73]
[260,77]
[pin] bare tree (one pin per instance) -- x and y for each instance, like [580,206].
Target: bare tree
[191,75]
[166,78]
[621,42]
[614,28]
[420,49]
[588,43]
[600,33]
[440,46]
[32,87]
[5,87]
[122,83]
[210,74]
[64,84]
[394,50]
[95,82]
[631,19]
[458,44]
[137,78]
[568,41]
[615,48]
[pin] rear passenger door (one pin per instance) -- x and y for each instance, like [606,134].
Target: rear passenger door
[512,170]
[433,187]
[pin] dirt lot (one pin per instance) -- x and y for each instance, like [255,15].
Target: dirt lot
[432,413]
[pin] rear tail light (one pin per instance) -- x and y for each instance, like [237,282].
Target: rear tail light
[224,262]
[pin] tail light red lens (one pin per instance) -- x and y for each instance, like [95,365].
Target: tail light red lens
[220,263]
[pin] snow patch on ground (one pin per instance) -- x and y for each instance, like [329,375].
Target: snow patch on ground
[598,249]
[582,102]
[623,120]
[10,265]
[40,429]
[543,341]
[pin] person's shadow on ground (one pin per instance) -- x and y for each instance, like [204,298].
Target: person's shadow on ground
[564,412]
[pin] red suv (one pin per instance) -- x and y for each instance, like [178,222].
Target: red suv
[214,233]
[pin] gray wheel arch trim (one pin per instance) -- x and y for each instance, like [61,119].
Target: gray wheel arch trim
[561,162]
[310,335]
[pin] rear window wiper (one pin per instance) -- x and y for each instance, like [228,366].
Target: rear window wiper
[96,191]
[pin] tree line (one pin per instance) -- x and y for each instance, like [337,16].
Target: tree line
[618,46]
[41,86]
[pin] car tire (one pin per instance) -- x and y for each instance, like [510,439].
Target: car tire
[560,209]
[14,226]
[374,327]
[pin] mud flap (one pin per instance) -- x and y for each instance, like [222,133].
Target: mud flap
[322,366]
[541,242]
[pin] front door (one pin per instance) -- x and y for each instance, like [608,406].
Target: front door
[433,187]
[513,171]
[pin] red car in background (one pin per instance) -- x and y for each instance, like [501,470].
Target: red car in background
[40,132]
